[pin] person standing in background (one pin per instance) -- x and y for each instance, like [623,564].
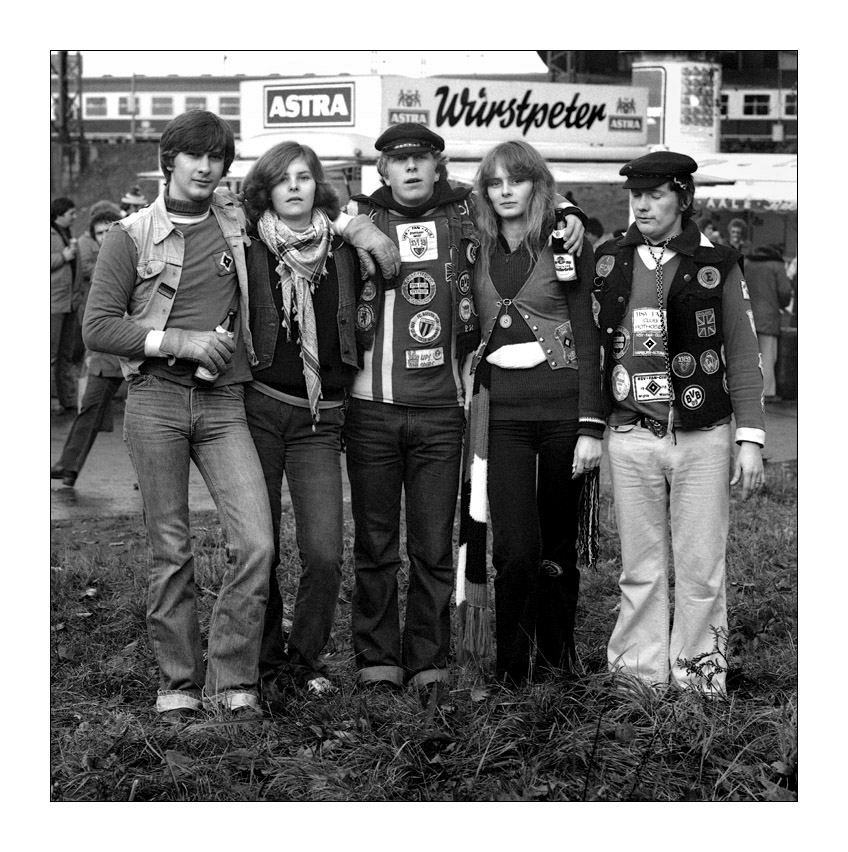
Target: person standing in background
[65,299]
[770,291]
[103,372]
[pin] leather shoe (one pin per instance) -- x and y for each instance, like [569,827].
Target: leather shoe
[69,478]
[57,471]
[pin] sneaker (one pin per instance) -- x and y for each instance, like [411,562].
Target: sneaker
[177,716]
[320,686]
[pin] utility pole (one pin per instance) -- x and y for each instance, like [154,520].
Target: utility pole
[67,122]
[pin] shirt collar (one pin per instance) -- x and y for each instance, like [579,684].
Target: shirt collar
[685,242]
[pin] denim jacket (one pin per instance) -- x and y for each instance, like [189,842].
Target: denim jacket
[160,247]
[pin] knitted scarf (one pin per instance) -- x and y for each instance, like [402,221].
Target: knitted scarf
[474,638]
[301,261]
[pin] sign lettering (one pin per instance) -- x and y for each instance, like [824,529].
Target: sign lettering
[307,105]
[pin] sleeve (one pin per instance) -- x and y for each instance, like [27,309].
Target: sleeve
[87,258]
[587,342]
[571,210]
[784,286]
[742,353]
[104,328]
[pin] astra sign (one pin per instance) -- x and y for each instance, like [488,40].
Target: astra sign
[309,105]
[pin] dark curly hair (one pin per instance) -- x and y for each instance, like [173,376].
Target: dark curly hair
[270,170]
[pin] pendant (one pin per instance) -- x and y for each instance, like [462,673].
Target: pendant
[505,321]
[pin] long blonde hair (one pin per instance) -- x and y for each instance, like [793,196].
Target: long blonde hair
[523,161]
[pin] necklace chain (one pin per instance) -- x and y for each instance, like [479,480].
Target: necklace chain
[658,273]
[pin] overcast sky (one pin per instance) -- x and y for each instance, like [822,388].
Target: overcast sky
[405,63]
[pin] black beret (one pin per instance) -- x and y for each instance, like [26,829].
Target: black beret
[410,138]
[656,168]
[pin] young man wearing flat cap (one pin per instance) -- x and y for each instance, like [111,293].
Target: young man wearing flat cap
[681,359]
[406,417]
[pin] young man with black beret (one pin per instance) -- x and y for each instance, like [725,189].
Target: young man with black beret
[406,416]
[681,361]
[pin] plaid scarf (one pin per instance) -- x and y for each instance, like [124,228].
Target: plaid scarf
[474,637]
[301,261]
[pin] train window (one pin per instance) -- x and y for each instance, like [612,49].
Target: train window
[162,106]
[126,105]
[193,102]
[95,107]
[228,105]
[790,105]
[756,104]
[723,101]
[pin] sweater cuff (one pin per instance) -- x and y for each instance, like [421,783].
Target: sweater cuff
[340,223]
[152,343]
[747,433]
[592,426]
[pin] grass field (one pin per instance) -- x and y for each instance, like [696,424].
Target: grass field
[591,738]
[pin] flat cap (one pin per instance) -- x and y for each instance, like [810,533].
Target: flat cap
[410,138]
[656,168]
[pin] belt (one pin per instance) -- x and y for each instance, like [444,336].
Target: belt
[655,426]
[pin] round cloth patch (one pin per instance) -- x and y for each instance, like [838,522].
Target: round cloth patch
[463,283]
[465,309]
[620,342]
[724,384]
[505,320]
[471,251]
[605,265]
[693,397]
[683,365]
[709,277]
[723,359]
[709,361]
[369,291]
[365,317]
[419,288]
[620,382]
[425,327]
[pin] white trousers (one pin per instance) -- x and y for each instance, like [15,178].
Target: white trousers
[681,489]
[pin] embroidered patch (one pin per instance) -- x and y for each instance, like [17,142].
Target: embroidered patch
[417,242]
[463,283]
[365,317]
[723,359]
[471,251]
[753,324]
[419,288]
[605,265]
[225,263]
[693,397]
[620,382]
[651,387]
[464,309]
[505,321]
[683,365]
[709,277]
[647,321]
[425,327]
[709,361]
[724,384]
[565,335]
[745,294]
[647,344]
[705,322]
[419,359]
[620,342]
[369,291]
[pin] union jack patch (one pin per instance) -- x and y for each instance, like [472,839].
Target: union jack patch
[706,322]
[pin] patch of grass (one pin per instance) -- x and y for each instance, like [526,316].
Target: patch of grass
[592,737]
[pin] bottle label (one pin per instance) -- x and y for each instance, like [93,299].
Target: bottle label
[564,267]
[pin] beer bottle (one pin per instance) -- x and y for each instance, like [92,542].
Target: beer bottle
[205,377]
[563,261]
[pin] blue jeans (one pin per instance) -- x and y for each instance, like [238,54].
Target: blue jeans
[533,502]
[167,425]
[395,449]
[311,462]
